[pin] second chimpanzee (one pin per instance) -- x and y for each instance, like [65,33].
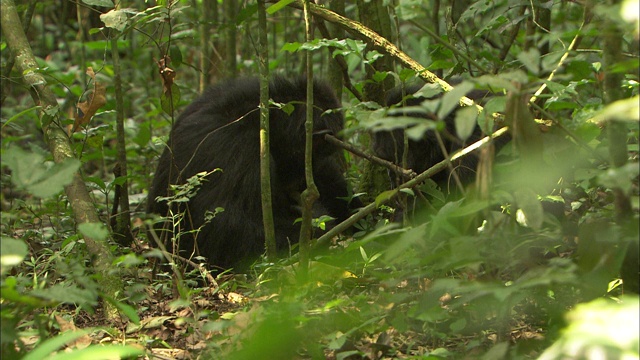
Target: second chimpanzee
[221,130]
[425,152]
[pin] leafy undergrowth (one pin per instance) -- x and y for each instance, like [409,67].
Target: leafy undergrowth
[338,315]
[457,299]
[502,279]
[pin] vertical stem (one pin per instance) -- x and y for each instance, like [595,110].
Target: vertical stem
[231,48]
[204,61]
[310,195]
[265,157]
[335,72]
[616,130]
[122,231]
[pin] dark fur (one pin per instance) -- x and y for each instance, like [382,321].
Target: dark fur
[200,141]
[426,152]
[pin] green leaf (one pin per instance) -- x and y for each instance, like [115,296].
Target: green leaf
[485,119]
[20,114]
[55,179]
[503,81]
[465,121]
[278,6]
[68,294]
[530,211]
[246,13]
[418,131]
[115,19]
[379,76]
[440,64]
[48,346]
[95,142]
[143,136]
[363,253]
[458,325]
[95,231]
[176,55]
[126,309]
[580,69]
[29,172]
[384,196]
[100,352]
[621,178]
[498,351]
[407,191]
[103,3]
[291,47]
[429,91]
[531,60]
[602,326]
[168,103]
[96,180]
[621,110]
[12,252]
[451,100]
[8,292]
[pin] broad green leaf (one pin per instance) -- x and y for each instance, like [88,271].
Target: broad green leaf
[531,60]
[115,19]
[531,214]
[170,103]
[384,196]
[100,352]
[465,120]
[12,252]
[451,100]
[278,6]
[44,350]
[95,231]
[621,110]
[103,3]
[29,172]
[125,309]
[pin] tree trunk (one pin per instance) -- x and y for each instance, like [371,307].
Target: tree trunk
[618,151]
[231,65]
[58,141]
[265,156]
[310,194]
[122,229]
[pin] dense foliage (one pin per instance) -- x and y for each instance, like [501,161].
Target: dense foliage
[536,258]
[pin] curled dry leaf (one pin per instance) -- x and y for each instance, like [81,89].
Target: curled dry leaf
[95,100]
[81,342]
[167,74]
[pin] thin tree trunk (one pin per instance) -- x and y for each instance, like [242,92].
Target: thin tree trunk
[617,130]
[26,22]
[205,57]
[122,230]
[58,141]
[618,152]
[265,156]
[375,15]
[310,194]
[231,65]
[335,70]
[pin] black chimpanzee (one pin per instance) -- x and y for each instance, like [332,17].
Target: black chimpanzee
[221,130]
[426,151]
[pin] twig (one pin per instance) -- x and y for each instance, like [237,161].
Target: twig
[406,173]
[324,239]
